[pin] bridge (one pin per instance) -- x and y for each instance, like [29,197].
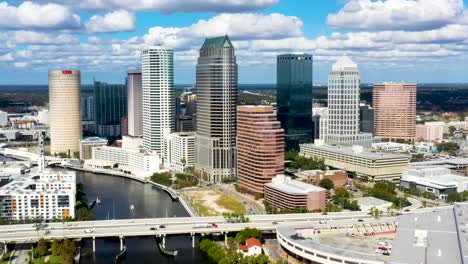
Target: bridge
[173,226]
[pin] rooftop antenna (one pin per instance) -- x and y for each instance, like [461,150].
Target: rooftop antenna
[41,162]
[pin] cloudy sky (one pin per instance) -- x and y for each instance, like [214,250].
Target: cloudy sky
[391,40]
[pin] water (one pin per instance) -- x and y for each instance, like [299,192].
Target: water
[120,193]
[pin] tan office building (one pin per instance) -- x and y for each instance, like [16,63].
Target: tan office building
[64,111]
[395,111]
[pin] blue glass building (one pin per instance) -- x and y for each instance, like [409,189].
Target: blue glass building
[294,98]
[110,105]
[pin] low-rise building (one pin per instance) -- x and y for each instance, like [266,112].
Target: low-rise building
[137,162]
[338,177]
[439,181]
[366,203]
[3,118]
[430,131]
[45,195]
[252,247]
[391,147]
[284,193]
[87,145]
[369,165]
[180,151]
[131,142]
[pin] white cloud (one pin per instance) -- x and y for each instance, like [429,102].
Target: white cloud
[396,14]
[6,57]
[32,37]
[171,6]
[29,15]
[21,64]
[119,20]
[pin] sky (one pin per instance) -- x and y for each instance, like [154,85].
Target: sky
[423,41]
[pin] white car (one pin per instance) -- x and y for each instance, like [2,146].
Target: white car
[88,231]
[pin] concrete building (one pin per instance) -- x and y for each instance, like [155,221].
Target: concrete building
[87,108]
[391,147]
[367,165]
[64,111]
[430,131]
[129,142]
[43,117]
[338,177]
[320,118]
[157,73]
[343,106]
[180,151]
[284,193]
[367,203]
[294,98]
[3,118]
[87,145]
[366,118]
[395,111]
[137,162]
[134,103]
[45,195]
[217,94]
[110,104]
[439,181]
[260,147]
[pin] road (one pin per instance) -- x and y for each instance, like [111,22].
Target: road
[20,253]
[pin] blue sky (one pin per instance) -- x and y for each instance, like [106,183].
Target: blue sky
[391,40]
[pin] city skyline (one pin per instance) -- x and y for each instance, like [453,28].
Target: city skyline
[412,47]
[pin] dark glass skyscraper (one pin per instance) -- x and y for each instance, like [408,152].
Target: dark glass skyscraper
[110,104]
[294,98]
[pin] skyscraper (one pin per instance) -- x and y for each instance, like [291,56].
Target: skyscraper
[294,98]
[395,110]
[87,108]
[64,111]
[366,118]
[134,103]
[157,74]
[217,94]
[343,105]
[260,147]
[110,104]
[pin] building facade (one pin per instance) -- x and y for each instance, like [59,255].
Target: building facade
[157,74]
[87,108]
[430,131]
[134,103]
[110,106]
[87,145]
[395,111]
[47,195]
[284,193]
[344,83]
[367,165]
[366,118]
[294,82]
[64,111]
[260,147]
[3,118]
[180,151]
[217,94]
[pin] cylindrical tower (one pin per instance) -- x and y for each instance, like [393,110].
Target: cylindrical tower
[64,111]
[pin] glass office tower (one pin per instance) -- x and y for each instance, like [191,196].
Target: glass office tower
[110,105]
[294,98]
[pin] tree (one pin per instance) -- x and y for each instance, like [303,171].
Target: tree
[247,233]
[451,130]
[342,192]
[56,248]
[42,247]
[454,197]
[327,184]
[449,147]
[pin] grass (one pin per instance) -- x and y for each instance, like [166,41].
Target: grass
[6,257]
[52,260]
[214,203]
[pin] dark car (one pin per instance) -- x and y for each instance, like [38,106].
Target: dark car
[360,220]
[153,228]
[162,226]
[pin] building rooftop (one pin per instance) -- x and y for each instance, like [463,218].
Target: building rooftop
[349,151]
[217,42]
[291,186]
[93,139]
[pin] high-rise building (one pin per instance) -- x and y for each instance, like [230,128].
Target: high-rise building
[157,75]
[110,105]
[87,108]
[64,111]
[343,105]
[366,118]
[294,98]
[134,103]
[217,93]
[260,147]
[395,110]
[180,151]
[3,118]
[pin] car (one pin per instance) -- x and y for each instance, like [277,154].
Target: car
[322,222]
[324,213]
[162,226]
[275,223]
[360,220]
[214,225]
[153,228]
[87,231]
[407,210]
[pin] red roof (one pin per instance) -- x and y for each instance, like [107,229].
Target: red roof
[250,243]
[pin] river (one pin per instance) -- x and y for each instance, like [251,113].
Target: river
[118,194]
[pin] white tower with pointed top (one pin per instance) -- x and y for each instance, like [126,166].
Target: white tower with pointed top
[343,105]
